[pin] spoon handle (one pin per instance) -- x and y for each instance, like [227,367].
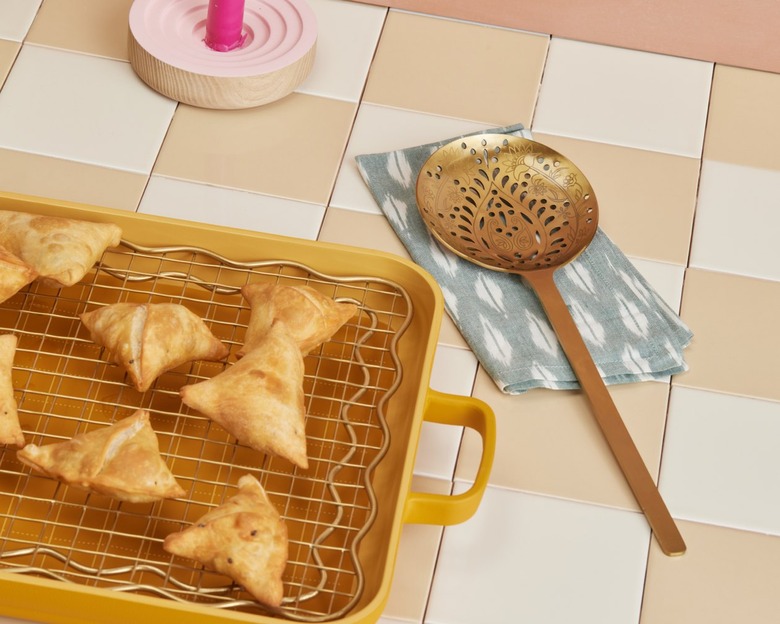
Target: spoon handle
[607,415]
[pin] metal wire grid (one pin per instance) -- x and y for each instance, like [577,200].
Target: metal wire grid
[66,384]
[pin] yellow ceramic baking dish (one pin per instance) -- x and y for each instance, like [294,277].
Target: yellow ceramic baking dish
[67,555]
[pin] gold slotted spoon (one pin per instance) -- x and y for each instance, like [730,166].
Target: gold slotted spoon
[514,205]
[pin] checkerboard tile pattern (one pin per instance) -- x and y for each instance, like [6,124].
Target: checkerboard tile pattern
[682,155]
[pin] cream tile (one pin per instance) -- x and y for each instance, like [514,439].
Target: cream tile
[93,26]
[742,127]
[721,463]
[550,561]
[30,174]
[735,225]
[726,576]
[8,52]
[414,568]
[82,108]
[372,231]
[666,279]
[437,451]
[548,441]
[736,342]
[347,35]
[624,97]
[446,67]
[380,129]
[16,17]
[290,148]
[646,199]
[240,209]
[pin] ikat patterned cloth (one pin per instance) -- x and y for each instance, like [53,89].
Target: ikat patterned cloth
[632,334]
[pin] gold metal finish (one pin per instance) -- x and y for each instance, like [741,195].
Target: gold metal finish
[514,205]
[67,385]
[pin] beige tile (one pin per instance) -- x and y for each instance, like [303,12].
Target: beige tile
[30,174]
[742,126]
[8,52]
[372,231]
[735,342]
[456,69]
[726,576]
[414,567]
[646,199]
[291,148]
[549,443]
[93,26]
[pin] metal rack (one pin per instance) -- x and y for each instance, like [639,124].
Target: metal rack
[65,384]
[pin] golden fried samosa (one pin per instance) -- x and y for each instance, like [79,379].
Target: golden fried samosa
[259,399]
[10,431]
[60,250]
[148,339]
[244,538]
[14,274]
[309,316]
[122,460]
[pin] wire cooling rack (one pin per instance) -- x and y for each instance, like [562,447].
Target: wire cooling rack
[65,384]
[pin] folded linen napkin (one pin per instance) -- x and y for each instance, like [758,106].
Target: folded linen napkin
[632,334]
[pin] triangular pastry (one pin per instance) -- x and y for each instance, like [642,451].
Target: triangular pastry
[10,431]
[14,274]
[61,250]
[148,339]
[122,460]
[309,316]
[244,538]
[259,399]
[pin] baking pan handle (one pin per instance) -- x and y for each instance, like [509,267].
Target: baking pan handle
[442,509]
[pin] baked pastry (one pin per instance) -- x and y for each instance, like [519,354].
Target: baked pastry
[148,339]
[310,317]
[121,460]
[10,431]
[259,399]
[14,274]
[244,538]
[60,250]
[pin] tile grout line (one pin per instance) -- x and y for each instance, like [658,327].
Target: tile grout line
[352,127]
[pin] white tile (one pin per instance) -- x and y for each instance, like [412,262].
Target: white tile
[665,278]
[737,220]
[381,129]
[529,558]
[625,97]
[83,108]
[721,460]
[16,17]
[437,451]
[347,35]
[233,208]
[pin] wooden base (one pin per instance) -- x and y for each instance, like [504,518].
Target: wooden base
[220,92]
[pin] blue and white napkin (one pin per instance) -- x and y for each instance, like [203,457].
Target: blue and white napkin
[632,334]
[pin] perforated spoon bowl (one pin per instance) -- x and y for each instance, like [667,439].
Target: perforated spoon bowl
[514,205]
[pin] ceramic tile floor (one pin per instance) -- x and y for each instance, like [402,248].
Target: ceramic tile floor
[683,156]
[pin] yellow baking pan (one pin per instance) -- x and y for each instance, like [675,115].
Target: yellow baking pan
[68,555]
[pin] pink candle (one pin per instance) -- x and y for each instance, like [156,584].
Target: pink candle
[224,25]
